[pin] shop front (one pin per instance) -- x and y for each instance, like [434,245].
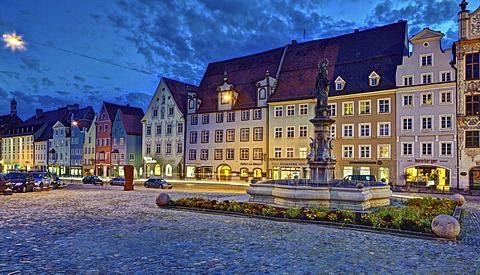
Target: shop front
[297,169]
[382,170]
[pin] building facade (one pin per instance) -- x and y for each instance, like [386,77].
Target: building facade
[426,108]
[88,146]
[8,122]
[163,133]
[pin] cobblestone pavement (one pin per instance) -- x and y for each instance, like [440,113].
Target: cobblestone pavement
[104,230]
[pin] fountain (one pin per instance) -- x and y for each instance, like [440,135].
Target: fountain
[321,189]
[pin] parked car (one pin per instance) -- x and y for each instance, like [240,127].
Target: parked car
[42,179]
[118,181]
[92,180]
[4,183]
[21,181]
[361,177]
[158,183]
[57,182]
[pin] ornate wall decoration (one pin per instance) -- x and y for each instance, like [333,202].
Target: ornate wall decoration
[475,24]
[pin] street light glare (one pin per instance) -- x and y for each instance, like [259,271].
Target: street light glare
[14,42]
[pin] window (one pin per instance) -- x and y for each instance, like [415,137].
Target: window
[472,66]
[290,152]
[179,148]
[446,149]
[194,120]
[258,153]
[131,156]
[427,149]
[407,101]
[180,127]
[407,123]
[225,98]
[230,135]
[168,148]
[158,148]
[193,137]
[303,109]
[408,80]
[169,129]
[384,129]
[244,134]
[347,130]
[149,130]
[204,154]
[426,78]
[205,119]
[218,135]
[159,129]
[148,149]
[374,79]
[364,106]
[262,93]
[364,151]
[426,60]
[257,114]
[192,154]
[230,116]
[290,110]
[218,154]
[347,151]
[278,132]
[332,108]
[364,129]
[100,128]
[191,104]
[472,105]
[219,117]
[170,111]
[244,154]
[155,112]
[445,97]
[303,131]
[302,152]
[426,122]
[347,108]
[290,131]
[427,99]
[258,133]
[205,136]
[245,115]
[230,154]
[472,139]
[446,76]
[339,83]
[384,105]
[278,152]
[384,151]
[278,111]
[446,122]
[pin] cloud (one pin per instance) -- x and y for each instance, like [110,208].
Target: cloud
[32,64]
[47,82]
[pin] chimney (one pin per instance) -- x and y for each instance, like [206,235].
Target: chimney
[356,30]
[38,113]
[294,42]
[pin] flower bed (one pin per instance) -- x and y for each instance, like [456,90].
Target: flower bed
[414,215]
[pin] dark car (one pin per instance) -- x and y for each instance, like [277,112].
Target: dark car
[92,180]
[360,177]
[57,182]
[118,181]
[21,181]
[158,183]
[42,179]
[4,183]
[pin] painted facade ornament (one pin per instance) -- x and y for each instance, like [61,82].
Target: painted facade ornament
[475,24]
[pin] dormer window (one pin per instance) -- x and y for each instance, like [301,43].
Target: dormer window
[262,93]
[191,104]
[339,84]
[226,97]
[374,79]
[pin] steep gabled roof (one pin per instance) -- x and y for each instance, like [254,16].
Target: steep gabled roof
[179,91]
[128,110]
[8,122]
[352,56]
[243,73]
[132,124]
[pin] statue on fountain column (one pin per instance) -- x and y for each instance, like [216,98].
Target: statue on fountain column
[322,86]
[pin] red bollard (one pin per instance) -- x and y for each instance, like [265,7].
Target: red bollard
[128,169]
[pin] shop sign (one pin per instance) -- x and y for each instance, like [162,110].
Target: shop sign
[251,163]
[149,160]
[362,162]
[288,164]
[430,161]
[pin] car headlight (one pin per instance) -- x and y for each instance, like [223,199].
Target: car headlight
[18,183]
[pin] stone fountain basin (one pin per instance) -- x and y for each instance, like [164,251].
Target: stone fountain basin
[350,198]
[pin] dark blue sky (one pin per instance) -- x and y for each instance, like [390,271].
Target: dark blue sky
[116,50]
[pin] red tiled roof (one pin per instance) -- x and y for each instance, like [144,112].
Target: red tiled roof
[132,124]
[179,91]
[352,56]
[242,72]
[128,110]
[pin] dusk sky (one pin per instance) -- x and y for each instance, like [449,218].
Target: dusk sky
[91,51]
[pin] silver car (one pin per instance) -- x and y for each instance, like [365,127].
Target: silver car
[42,179]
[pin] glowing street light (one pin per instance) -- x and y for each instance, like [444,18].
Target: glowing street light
[14,42]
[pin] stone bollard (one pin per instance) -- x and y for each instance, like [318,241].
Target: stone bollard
[446,226]
[459,199]
[162,199]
